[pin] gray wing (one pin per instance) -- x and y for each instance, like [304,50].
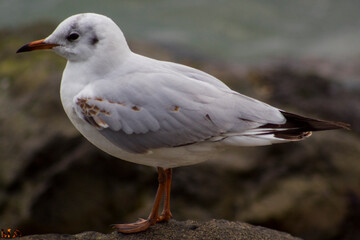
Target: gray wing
[167,110]
[195,74]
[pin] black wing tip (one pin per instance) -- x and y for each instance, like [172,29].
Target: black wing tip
[313,124]
[298,127]
[341,125]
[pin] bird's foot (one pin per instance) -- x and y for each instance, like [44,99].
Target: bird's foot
[142,224]
[138,226]
[164,179]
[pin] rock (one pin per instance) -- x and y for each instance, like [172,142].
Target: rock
[187,230]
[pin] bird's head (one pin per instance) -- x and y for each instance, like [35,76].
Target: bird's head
[82,36]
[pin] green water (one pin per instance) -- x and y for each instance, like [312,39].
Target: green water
[233,30]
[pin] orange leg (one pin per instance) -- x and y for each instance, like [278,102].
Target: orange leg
[164,179]
[166,213]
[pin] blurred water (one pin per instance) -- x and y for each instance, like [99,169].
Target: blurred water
[233,30]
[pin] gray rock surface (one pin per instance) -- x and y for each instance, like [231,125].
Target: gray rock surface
[187,230]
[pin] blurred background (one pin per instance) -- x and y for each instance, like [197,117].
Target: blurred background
[300,55]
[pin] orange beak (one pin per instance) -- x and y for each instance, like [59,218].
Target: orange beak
[36,45]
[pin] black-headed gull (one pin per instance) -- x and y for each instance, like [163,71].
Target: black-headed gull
[157,113]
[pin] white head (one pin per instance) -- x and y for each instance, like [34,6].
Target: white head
[80,37]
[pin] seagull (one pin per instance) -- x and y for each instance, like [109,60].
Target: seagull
[157,113]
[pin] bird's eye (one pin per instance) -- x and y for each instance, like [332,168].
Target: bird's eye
[73,37]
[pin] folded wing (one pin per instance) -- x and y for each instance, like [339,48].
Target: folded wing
[167,110]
